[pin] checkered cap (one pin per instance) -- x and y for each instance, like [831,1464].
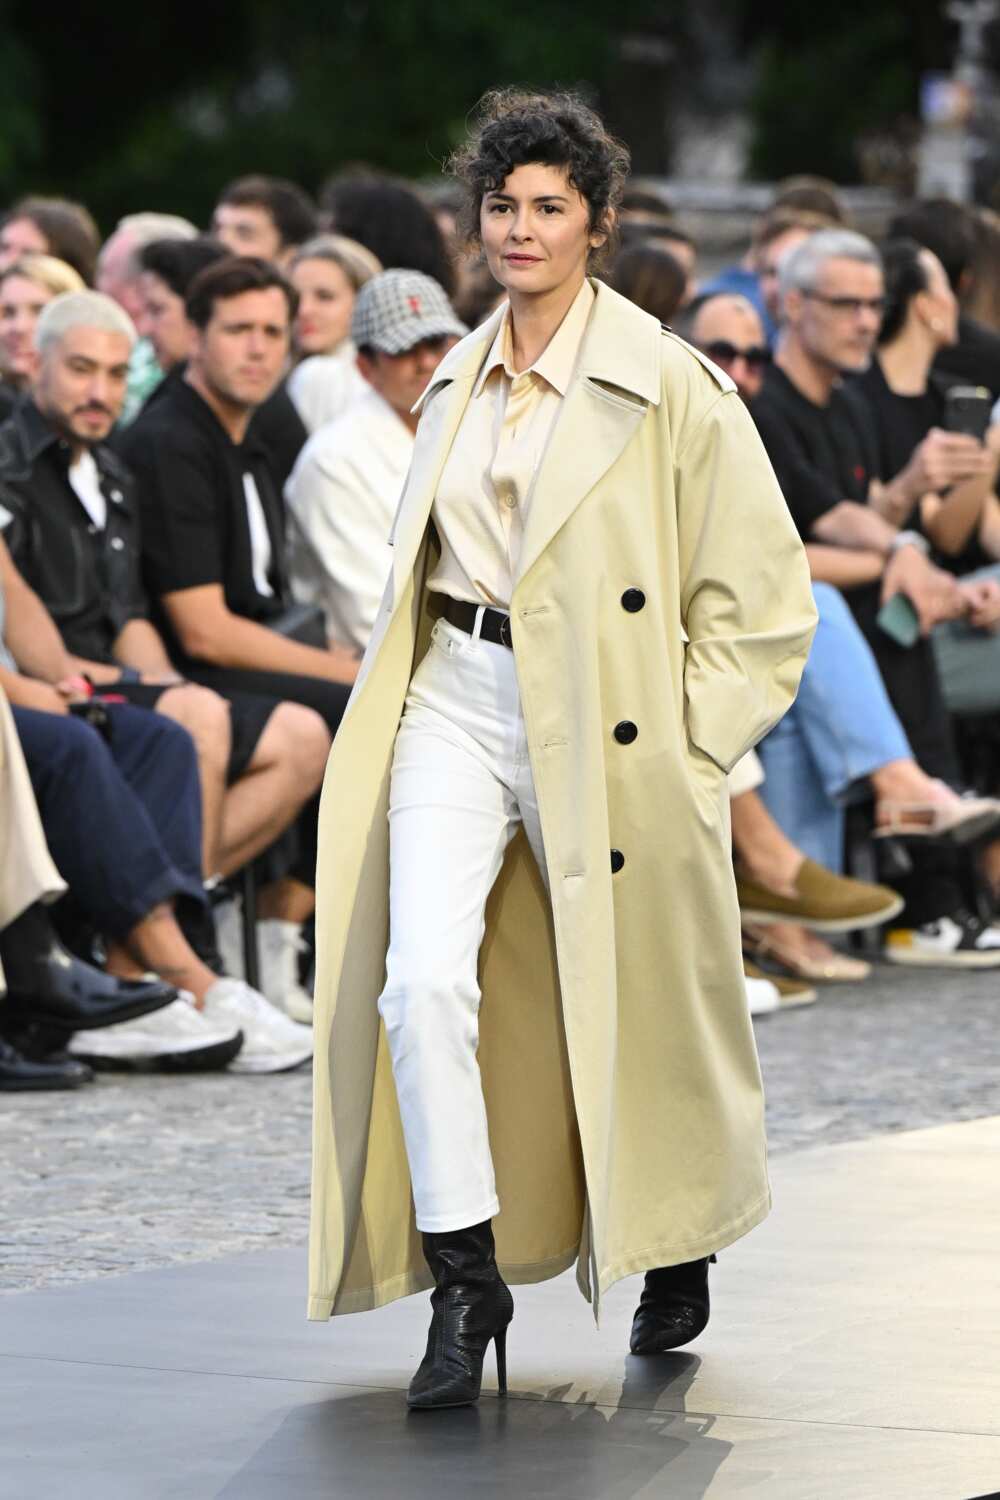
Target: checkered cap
[398,309]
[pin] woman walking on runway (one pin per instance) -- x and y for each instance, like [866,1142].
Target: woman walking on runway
[597,604]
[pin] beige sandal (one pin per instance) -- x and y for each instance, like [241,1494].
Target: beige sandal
[961,821]
[839,968]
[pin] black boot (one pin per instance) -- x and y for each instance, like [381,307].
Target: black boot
[472,1305]
[673,1308]
[47,984]
[18,1074]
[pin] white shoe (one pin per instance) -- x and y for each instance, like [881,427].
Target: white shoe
[272,1042]
[280,944]
[762,996]
[176,1037]
[961,941]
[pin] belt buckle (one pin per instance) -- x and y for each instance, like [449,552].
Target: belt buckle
[505,639]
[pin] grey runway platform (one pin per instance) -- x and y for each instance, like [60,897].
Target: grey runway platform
[854,1354]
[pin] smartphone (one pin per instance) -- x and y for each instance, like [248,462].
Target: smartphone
[898,619]
[967,409]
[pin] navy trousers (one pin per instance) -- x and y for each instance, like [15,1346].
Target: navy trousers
[122,815]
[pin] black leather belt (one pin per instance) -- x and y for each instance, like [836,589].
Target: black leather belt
[495,626]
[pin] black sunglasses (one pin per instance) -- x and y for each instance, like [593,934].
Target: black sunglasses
[723,352]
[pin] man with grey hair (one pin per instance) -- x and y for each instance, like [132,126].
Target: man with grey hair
[820,438]
[119,275]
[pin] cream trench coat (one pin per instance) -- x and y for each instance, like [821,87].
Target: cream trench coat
[618,1061]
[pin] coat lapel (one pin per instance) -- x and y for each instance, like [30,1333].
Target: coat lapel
[442,407]
[617,380]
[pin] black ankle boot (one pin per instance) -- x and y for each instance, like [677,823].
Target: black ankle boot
[673,1308]
[472,1305]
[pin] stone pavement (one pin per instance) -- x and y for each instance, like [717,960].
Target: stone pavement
[139,1172]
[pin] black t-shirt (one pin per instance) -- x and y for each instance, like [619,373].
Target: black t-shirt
[196,514]
[974,360]
[821,454]
[901,423]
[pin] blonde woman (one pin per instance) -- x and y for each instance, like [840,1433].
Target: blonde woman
[27,286]
[327,273]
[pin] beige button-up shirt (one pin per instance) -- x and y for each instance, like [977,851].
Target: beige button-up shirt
[486,485]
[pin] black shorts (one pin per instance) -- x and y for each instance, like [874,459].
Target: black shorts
[248,714]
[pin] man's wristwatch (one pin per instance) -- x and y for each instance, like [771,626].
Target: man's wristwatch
[129,674]
[909,539]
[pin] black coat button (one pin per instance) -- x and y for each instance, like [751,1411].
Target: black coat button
[617,861]
[626,732]
[633,600]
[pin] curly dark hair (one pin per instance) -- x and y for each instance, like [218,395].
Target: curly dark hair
[513,127]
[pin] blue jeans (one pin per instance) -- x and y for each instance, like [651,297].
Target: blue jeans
[840,728]
[122,817]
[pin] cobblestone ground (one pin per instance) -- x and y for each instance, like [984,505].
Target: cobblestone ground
[138,1172]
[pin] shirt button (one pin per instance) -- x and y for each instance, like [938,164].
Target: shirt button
[625,732]
[510,501]
[117,544]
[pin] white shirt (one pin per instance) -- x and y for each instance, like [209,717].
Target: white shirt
[342,497]
[260,539]
[325,385]
[86,481]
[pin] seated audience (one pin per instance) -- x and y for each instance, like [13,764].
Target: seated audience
[823,450]
[651,276]
[981,299]
[119,275]
[46,992]
[948,229]
[327,273]
[775,234]
[266,217]
[392,221]
[166,270]
[345,488]
[51,226]
[213,523]
[669,238]
[260,760]
[27,286]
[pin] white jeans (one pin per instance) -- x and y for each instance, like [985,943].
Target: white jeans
[461,784]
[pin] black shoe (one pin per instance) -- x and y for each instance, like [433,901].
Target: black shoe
[472,1305]
[673,1308]
[49,985]
[17,1074]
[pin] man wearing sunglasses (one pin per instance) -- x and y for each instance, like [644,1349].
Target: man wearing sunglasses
[729,330]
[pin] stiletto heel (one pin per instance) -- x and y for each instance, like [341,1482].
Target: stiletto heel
[501,1347]
[472,1306]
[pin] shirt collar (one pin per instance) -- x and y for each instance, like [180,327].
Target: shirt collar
[557,360]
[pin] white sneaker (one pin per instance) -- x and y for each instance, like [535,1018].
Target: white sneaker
[762,996]
[176,1037]
[272,1042]
[961,941]
[280,944]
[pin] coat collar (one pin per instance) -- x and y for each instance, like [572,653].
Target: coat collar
[620,348]
[620,353]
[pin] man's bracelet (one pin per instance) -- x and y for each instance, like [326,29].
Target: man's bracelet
[909,539]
